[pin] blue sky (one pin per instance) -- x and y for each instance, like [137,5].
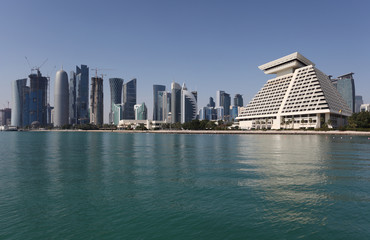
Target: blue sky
[208,44]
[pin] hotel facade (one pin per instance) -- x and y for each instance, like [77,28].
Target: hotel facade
[299,97]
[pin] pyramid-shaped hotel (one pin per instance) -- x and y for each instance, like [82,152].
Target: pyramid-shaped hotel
[300,96]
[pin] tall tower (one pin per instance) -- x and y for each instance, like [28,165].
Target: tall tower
[238,100]
[18,87]
[61,99]
[82,94]
[188,105]
[115,95]
[219,94]
[96,101]
[156,110]
[345,85]
[72,98]
[175,102]
[211,103]
[358,103]
[38,99]
[129,99]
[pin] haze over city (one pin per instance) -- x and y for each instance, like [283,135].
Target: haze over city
[209,45]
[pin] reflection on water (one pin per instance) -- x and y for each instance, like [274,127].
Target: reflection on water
[112,185]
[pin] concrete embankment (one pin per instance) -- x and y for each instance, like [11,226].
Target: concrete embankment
[267,132]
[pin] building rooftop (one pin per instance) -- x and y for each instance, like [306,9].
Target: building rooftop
[286,64]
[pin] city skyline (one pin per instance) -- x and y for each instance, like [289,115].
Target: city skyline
[209,45]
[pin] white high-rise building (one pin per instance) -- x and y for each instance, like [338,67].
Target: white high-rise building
[61,99]
[300,96]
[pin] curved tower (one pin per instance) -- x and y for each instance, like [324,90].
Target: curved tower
[17,102]
[189,108]
[61,99]
[115,95]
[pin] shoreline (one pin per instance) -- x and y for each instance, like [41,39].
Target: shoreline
[229,132]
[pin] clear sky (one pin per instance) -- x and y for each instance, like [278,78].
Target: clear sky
[208,44]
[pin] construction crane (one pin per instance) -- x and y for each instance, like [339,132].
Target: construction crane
[99,69]
[36,67]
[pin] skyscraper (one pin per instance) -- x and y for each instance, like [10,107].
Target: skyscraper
[115,95]
[161,103]
[156,110]
[358,103]
[82,94]
[189,108]
[219,102]
[223,100]
[211,103]
[72,98]
[18,87]
[5,117]
[61,99]
[345,85]
[238,100]
[141,112]
[116,113]
[175,102]
[129,99]
[26,106]
[164,105]
[38,97]
[96,101]
[226,103]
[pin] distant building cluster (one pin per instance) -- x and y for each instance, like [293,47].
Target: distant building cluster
[177,105]
[72,102]
[300,96]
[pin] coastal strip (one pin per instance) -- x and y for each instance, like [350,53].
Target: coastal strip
[238,132]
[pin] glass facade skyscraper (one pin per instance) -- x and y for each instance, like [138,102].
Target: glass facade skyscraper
[175,102]
[72,98]
[345,85]
[38,99]
[141,112]
[211,103]
[358,102]
[238,100]
[223,100]
[18,87]
[129,99]
[82,94]
[115,95]
[116,113]
[189,108]
[156,110]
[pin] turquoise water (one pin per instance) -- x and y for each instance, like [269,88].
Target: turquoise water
[58,185]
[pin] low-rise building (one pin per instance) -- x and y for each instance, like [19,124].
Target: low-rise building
[365,108]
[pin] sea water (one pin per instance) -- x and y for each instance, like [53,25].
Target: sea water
[81,185]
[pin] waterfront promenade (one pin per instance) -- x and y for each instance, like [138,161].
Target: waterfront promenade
[260,132]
